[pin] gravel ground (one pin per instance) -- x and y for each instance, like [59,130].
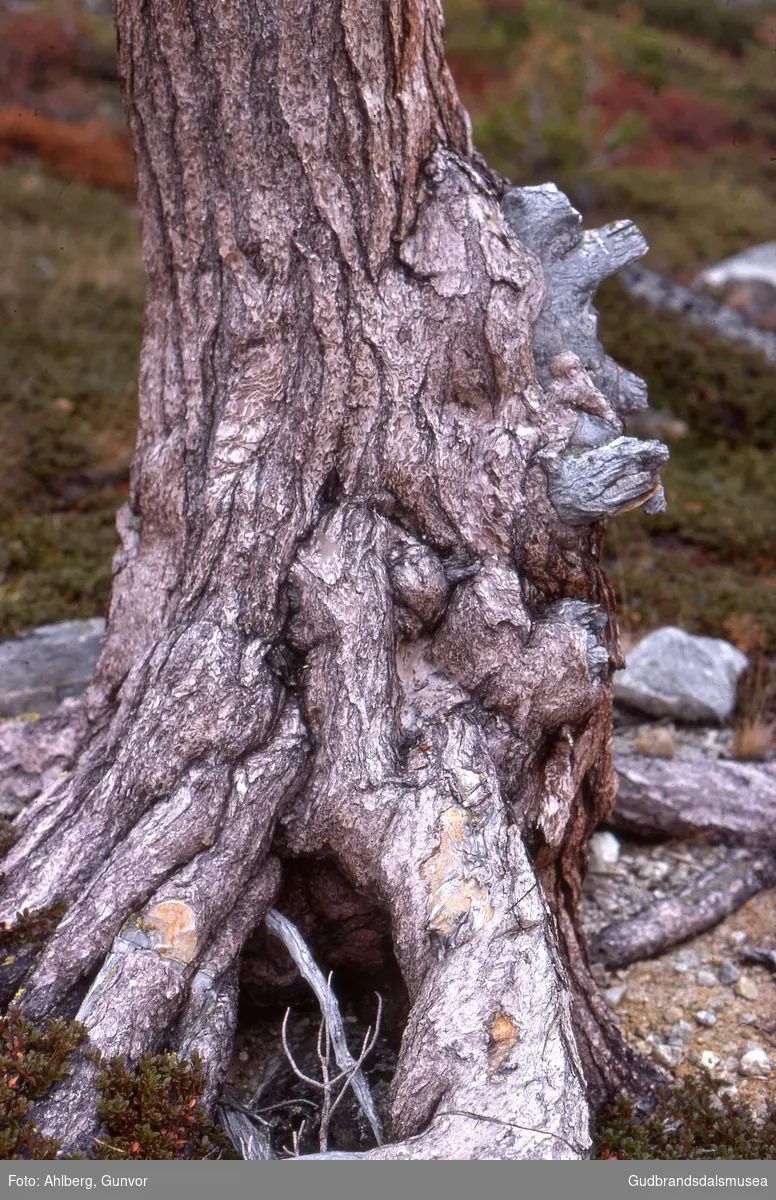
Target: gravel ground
[697,1007]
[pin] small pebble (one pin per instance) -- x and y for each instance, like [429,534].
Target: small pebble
[243,1056]
[706,978]
[704,1017]
[746,988]
[708,1060]
[738,937]
[604,850]
[685,960]
[681,1034]
[673,1014]
[669,1056]
[748,1019]
[755,1063]
[613,995]
[728,972]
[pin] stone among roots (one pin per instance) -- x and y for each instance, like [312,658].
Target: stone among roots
[676,674]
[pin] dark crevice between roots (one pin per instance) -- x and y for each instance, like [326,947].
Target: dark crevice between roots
[350,937]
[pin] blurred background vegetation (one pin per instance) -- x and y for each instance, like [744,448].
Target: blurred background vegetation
[660,110]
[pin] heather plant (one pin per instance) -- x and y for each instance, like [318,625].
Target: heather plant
[153,1111]
[688,1121]
[32,1060]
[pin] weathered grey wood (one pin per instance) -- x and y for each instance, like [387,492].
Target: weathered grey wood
[678,798]
[280,927]
[249,1139]
[594,485]
[574,264]
[666,923]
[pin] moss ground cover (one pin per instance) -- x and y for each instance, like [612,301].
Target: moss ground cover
[71,291]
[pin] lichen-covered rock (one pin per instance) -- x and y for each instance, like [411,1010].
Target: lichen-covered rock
[676,674]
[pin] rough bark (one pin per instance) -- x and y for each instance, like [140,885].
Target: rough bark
[354,615]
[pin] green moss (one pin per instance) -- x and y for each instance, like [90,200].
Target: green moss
[71,291]
[148,1112]
[152,1112]
[730,30]
[689,1121]
[32,1061]
[709,559]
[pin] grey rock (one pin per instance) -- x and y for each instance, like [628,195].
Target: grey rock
[676,674]
[614,995]
[679,1034]
[746,988]
[755,1062]
[757,264]
[704,1017]
[728,972]
[669,1056]
[604,850]
[706,978]
[40,668]
[685,960]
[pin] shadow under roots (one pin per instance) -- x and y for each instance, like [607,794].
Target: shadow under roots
[349,937]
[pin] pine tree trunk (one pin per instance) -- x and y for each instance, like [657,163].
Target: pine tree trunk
[358,611]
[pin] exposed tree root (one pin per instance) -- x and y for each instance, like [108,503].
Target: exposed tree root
[35,753]
[708,901]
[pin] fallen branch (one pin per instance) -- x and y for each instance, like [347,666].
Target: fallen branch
[280,927]
[666,923]
[676,798]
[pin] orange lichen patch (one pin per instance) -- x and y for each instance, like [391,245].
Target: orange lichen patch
[504,1035]
[86,151]
[175,925]
[458,906]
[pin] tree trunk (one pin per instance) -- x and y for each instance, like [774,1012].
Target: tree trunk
[357,612]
